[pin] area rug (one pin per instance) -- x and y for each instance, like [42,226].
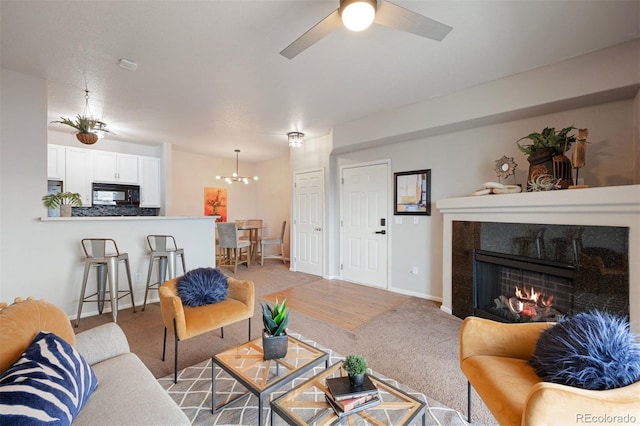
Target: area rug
[193,394]
[318,300]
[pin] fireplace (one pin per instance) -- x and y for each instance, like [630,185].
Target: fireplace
[517,272]
[609,271]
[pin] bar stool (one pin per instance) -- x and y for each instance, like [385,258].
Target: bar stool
[163,248]
[103,253]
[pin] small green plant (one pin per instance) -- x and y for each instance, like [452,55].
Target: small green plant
[53,201]
[354,364]
[560,141]
[275,320]
[82,124]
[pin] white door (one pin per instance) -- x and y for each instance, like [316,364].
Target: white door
[308,222]
[364,223]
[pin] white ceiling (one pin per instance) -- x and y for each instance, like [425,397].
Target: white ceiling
[210,78]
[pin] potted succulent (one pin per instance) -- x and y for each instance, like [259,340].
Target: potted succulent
[355,366]
[274,337]
[546,154]
[85,127]
[64,200]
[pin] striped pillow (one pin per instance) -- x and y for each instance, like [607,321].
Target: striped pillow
[48,384]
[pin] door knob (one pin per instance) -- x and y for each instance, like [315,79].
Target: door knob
[383,232]
[318,229]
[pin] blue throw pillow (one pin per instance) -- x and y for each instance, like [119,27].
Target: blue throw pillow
[48,384]
[202,286]
[594,350]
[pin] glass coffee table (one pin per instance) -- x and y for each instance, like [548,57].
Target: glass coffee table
[246,364]
[306,404]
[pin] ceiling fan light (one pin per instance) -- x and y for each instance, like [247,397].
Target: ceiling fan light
[357,15]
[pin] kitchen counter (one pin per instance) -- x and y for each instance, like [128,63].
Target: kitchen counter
[63,264]
[120,218]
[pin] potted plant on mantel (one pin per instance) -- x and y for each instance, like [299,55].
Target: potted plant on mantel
[274,337]
[355,366]
[64,200]
[546,155]
[85,127]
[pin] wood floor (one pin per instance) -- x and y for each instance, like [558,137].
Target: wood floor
[342,304]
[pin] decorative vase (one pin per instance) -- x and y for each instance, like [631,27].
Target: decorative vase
[87,138]
[356,381]
[274,347]
[65,210]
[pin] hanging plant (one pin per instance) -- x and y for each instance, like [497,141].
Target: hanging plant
[85,126]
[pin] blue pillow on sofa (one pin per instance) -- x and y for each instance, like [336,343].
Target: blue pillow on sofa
[594,350]
[48,384]
[202,286]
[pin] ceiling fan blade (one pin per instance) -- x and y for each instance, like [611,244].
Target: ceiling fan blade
[318,31]
[394,16]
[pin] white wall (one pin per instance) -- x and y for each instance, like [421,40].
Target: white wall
[268,199]
[459,136]
[461,161]
[273,198]
[23,141]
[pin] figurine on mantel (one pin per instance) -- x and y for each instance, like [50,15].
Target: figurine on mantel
[579,158]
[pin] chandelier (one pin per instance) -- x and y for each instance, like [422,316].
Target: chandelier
[235,177]
[295,139]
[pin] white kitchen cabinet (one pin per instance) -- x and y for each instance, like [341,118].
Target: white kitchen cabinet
[149,179]
[78,173]
[55,162]
[113,167]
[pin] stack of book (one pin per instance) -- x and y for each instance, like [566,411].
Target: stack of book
[346,399]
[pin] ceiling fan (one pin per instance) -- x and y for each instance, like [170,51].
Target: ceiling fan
[357,15]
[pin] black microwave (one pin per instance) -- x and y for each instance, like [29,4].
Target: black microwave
[111,194]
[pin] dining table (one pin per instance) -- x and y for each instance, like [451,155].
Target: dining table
[253,230]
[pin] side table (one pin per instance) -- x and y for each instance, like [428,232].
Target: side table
[306,404]
[246,364]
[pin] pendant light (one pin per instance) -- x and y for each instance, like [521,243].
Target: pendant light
[235,177]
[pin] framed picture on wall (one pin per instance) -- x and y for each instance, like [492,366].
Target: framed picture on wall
[412,193]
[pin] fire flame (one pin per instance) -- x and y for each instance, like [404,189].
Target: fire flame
[533,296]
[525,302]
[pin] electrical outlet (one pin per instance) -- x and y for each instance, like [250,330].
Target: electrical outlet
[138,277]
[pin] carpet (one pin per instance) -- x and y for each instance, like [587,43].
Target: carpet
[193,394]
[320,300]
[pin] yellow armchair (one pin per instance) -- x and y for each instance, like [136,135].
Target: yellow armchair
[493,357]
[185,321]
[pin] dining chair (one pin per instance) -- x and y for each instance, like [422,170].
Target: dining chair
[273,241]
[230,243]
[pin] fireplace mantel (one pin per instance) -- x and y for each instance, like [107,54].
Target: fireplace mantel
[603,206]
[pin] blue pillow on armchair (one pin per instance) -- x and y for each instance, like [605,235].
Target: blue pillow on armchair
[202,286]
[591,350]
